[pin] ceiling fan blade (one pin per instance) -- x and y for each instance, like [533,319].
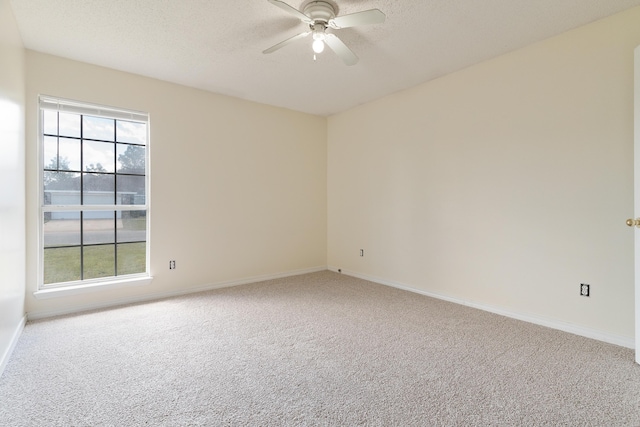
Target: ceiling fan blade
[341,49]
[366,17]
[291,10]
[286,42]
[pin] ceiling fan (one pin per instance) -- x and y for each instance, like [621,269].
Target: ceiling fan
[320,15]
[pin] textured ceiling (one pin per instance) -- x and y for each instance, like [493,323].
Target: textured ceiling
[217,45]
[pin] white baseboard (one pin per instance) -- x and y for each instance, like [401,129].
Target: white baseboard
[33,315]
[538,320]
[12,344]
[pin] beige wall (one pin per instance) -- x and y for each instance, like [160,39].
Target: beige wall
[238,189]
[504,185]
[12,226]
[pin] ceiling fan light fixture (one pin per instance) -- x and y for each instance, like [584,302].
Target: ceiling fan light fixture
[318,38]
[318,46]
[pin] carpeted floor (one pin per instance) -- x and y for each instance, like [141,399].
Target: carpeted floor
[313,350]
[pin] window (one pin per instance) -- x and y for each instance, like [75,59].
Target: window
[94,187]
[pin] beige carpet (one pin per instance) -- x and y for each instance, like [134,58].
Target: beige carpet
[318,349]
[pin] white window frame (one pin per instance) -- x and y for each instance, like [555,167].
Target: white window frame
[81,286]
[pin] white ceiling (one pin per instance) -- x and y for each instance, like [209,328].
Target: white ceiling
[217,45]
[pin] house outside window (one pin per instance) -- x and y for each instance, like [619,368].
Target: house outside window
[94,185]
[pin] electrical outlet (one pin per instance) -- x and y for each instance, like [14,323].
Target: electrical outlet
[172,265]
[584,289]
[361,252]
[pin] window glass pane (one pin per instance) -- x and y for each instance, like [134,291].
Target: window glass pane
[50,152]
[98,227]
[67,149]
[61,228]
[132,226]
[99,261]
[132,258]
[61,265]
[98,189]
[69,154]
[133,132]
[131,190]
[69,124]
[98,156]
[50,122]
[131,159]
[61,188]
[98,128]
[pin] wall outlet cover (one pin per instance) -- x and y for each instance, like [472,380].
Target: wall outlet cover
[584,289]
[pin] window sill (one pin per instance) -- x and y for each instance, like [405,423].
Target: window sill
[91,287]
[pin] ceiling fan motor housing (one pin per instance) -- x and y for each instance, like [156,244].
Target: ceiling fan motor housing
[320,11]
